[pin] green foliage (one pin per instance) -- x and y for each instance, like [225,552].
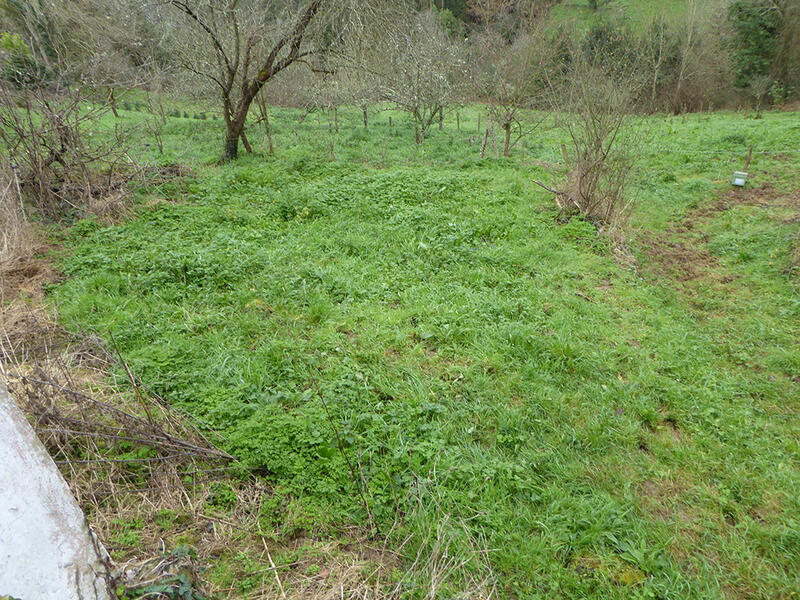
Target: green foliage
[612,45]
[178,587]
[13,44]
[222,496]
[452,25]
[18,64]
[476,358]
[755,27]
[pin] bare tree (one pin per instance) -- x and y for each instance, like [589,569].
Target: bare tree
[238,46]
[509,17]
[508,77]
[417,67]
[686,53]
[759,88]
[357,86]
[88,42]
[659,50]
[74,50]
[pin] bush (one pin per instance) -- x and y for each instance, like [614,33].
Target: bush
[19,67]
[598,105]
[60,172]
[612,45]
[753,44]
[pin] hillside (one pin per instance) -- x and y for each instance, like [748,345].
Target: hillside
[343,300]
[604,425]
[634,12]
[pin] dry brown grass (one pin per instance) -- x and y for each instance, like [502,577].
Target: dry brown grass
[14,238]
[125,455]
[19,243]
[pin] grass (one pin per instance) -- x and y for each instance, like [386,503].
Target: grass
[609,432]
[636,12]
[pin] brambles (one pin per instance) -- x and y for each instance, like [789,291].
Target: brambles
[60,171]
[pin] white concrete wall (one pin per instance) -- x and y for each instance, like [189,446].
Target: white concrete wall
[46,549]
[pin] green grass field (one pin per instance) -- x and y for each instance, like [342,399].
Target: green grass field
[612,430]
[635,12]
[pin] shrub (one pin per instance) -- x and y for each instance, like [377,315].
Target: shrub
[612,45]
[19,67]
[60,170]
[753,43]
[598,105]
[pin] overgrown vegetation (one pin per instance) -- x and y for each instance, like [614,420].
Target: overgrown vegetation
[373,358]
[579,416]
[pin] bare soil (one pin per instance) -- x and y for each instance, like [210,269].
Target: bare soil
[679,253]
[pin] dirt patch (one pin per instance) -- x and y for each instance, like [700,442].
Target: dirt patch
[662,499]
[749,196]
[658,498]
[681,261]
[680,253]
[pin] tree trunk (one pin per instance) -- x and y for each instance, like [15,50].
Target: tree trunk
[458,121]
[231,147]
[336,119]
[235,123]
[112,102]
[685,54]
[269,132]
[507,147]
[161,112]
[653,90]
[234,131]
[262,107]
[247,145]
[291,42]
[441,118]
[364,112]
